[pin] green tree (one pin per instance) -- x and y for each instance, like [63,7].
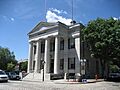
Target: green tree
[114,68]
[103,39]
[6,56]
[23,66]
[10,66]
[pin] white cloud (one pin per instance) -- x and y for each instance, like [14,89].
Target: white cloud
[53,17]
[6,18]
[115,18]
[58,11]
[12,19]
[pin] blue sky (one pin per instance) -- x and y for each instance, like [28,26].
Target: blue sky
[18,17]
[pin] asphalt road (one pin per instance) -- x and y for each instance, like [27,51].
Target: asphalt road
[25,85]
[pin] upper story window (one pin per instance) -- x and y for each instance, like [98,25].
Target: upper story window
[71,43]
[61,44]
[34,49]
[42,47]
[52,45]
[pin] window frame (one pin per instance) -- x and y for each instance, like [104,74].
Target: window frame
[62,64]
[61,44]
[71,43]
[71,63]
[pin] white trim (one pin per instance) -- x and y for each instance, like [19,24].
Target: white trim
[74,26]
[43,37]
[76,34]
[43,30]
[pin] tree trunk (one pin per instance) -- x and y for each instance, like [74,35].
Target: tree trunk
[103,67]
[106,69]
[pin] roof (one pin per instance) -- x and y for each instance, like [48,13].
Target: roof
[42,26]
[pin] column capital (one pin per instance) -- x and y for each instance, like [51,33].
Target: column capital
[48,38]
[57,36]
[31,42]
[39,40]
[65,38]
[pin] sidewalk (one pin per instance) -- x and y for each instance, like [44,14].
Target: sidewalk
[62,81]
[71,81]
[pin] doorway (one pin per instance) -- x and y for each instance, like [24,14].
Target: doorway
[51,65]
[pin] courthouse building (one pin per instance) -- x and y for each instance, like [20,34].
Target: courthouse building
[55,50]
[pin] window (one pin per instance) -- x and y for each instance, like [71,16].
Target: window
[33,65]
[71,63]
[71,43]
[2,73]
[52,45]
[41,65]
[42,47]
[61,44]
[61,64]
[34,49]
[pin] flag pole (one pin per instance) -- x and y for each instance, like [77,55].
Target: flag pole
[45,10]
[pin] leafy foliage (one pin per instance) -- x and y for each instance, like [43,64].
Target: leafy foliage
[10,66]
[103,38]
[23,66]
[114,68]
[6,57]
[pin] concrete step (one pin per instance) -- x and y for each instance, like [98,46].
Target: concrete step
[33,76]
[36,77]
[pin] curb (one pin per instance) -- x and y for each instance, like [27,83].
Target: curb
[73,82]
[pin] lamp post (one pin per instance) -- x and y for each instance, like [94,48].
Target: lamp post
[43,62]
[83,68]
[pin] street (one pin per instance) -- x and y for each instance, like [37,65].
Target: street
[26,85]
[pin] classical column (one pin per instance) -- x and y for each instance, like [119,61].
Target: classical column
[33,57]
[56,57]
[38,55]
[77,48]
[47,55]
[65,56]
[30,61]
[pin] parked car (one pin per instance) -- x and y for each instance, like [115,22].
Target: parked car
[13,76]
[3,76]
[114,77]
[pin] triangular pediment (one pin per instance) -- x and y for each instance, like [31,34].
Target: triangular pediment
[42,26]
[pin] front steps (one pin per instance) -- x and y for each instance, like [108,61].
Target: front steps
[36,77]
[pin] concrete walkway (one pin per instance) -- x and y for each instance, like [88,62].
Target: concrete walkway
[71,81]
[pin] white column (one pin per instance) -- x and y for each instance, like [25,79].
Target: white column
[77,62]
[65,56]
[38,55]
[47,55]
[56,57]
[33,57]
[30,57]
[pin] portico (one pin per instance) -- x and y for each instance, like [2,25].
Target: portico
[36,55]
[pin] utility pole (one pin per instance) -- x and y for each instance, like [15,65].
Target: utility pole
[45,11]
[72,10]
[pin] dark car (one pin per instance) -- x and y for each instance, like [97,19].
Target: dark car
[114,77]
[13,76]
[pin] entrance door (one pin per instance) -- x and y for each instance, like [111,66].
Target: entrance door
[52,66]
